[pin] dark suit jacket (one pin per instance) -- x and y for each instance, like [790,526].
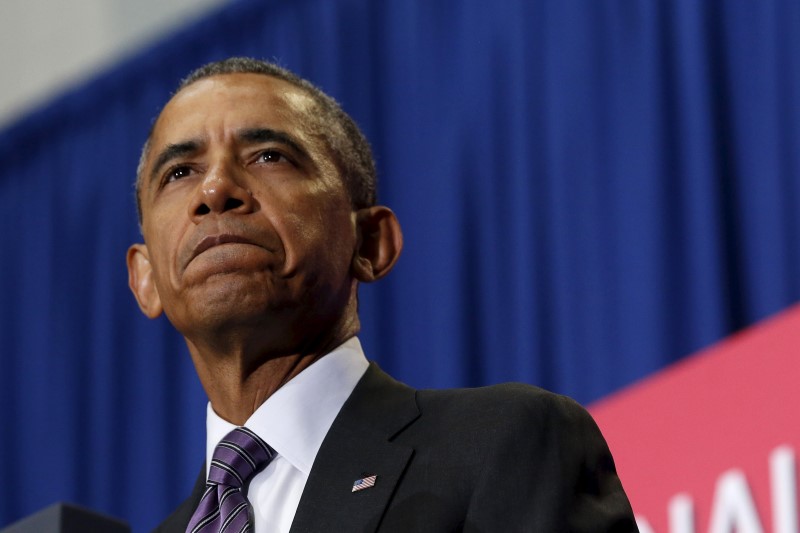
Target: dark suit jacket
[503,458]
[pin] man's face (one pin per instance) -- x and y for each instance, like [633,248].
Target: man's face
[244,213]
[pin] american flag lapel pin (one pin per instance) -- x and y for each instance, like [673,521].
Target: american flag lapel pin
[364,483]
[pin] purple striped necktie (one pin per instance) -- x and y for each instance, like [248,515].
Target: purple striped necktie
[223,507]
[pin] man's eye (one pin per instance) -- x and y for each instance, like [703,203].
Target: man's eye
[271,156]
[177,173]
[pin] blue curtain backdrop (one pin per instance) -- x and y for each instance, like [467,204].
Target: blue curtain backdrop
[589,191]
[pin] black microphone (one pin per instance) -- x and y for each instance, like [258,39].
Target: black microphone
[67,518]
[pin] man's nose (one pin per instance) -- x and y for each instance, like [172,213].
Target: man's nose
[222,190]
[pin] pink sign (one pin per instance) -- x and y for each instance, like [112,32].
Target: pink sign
[710,443]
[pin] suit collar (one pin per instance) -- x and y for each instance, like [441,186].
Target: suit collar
[359,444]
[295,419]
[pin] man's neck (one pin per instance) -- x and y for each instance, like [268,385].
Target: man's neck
[236,395]
[240,378]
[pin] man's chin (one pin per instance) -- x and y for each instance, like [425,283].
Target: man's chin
[224,298]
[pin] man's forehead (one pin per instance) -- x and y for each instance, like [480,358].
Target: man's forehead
[262,85]
[236,98]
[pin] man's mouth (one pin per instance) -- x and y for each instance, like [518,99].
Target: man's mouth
[211,241]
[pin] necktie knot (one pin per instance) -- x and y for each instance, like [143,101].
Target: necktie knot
[238,457]
[223,507]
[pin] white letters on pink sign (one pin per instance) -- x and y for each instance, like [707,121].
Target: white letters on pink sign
[783,485]
[733,509]
[681,514]
[643,525]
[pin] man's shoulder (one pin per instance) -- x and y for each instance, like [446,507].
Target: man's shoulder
[506,398]
[525,455]
[500,404]
[510,409]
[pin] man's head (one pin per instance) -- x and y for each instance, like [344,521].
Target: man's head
[350,148]
[256,196]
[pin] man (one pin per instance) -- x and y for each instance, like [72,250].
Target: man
[257,206]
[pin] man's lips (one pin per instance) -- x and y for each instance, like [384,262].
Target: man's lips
[210,241]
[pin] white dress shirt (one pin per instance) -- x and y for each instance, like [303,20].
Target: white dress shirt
[294,421]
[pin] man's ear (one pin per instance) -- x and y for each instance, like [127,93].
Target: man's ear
[379,243]
[140,280]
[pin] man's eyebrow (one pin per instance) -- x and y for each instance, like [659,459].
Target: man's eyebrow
[263,135]
[173,151]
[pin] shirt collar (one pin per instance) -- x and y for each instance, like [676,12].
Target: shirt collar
[296,418]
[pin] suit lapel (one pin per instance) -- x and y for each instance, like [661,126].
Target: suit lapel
[359,445]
